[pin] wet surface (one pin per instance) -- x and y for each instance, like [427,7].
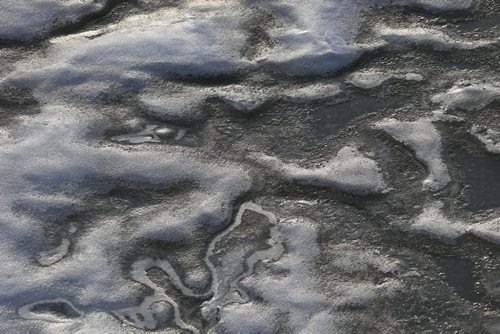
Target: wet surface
[459,275]
[215,213]
[482,177]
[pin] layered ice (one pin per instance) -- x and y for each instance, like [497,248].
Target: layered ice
[425,140]
[349,171]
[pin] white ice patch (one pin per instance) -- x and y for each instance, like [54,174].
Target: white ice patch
[349,171]
[489,230]
[468,96]
[373,78]
[422,36]
[432,221]
[490,138]
[28,19]
[424,139]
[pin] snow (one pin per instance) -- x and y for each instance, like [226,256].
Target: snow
[372,78]
[125,56]
[29,19]
[436,39]
[55,160]
[432,221]
[424,139]
[297,300]
[468,96]
[490,138]
[488,230]
[348,171]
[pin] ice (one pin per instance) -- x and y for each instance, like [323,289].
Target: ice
[349,171]
[490,138]
[373,78]
[126,55]
[55,159]
[52,256]
[148,135]
[432,221]
[185,103]
[299,300]
[434,38]
[29,19]
[488,230]
[468,96]
[424,139]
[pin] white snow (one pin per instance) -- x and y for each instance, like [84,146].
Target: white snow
[47,154]
[372,78]
[432,221]
[28,19]
[468,96]
[125,56]
[348,171]
[424,139]
[434,38]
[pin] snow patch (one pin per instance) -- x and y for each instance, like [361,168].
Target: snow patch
[424,139]
[348,171]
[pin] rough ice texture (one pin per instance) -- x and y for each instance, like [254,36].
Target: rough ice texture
[297,300]
[205,38]
[127,55]
[435,39]
[47,171]
[424,139]
[490,138]
[432,221]
[184,103]
[349,171]
[373,78]
[468,96]
[489,230]
[28,19]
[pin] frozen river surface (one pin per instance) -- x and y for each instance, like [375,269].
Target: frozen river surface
[237,166]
